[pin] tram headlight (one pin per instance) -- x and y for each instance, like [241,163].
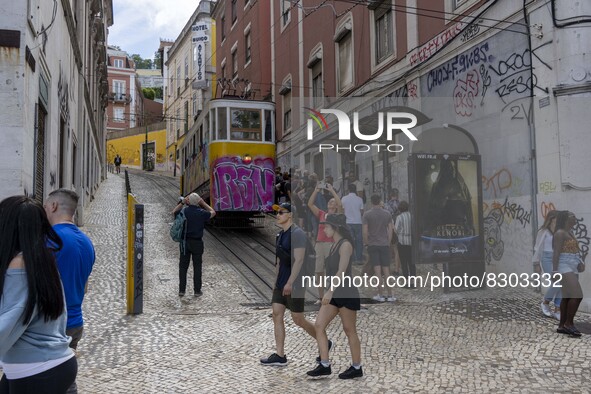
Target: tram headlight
[246,159]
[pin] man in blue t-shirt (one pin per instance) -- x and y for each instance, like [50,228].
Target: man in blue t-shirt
[197,213]
[290,253]
[74,260]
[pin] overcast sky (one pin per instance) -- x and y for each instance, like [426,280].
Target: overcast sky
[139,24]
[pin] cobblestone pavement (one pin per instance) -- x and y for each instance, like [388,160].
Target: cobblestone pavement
[425,342]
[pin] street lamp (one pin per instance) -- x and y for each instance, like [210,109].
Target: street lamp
[146,148]
[148,165]
[174,162]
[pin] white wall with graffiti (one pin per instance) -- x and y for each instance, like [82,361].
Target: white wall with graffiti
[561,116]
[484,88]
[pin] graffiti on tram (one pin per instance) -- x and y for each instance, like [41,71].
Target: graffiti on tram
[243,187]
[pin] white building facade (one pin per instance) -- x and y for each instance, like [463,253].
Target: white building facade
[189,77]
[52,123]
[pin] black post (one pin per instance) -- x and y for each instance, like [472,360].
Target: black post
[146,151]
[174,163]
[138,260]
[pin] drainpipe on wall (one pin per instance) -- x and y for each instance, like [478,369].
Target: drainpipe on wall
[532,138]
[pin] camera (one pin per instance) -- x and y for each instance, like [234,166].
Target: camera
[181,200]
[321,185]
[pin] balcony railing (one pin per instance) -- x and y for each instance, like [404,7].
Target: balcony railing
[119,97]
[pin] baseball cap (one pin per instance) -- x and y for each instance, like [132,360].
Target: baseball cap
[285,205]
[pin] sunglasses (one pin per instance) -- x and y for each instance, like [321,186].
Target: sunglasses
[282,212]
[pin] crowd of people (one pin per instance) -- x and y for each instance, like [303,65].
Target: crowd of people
[45,263]
[381,235]
[347,234]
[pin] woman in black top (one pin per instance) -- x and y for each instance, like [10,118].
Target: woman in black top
[342,300]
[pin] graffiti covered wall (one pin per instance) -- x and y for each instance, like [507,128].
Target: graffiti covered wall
[486,90]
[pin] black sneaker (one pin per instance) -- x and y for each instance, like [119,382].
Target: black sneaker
[320,370]
[198,294]
[351,373]
[329,347]
[274,360]
[181,293]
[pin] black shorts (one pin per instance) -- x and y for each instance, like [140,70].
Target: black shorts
[350,303]
[296,305]
[379,256]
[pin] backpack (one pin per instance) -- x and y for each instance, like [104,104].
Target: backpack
[178,226]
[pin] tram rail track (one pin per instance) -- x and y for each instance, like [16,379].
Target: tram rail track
[253,256]
[250,258]
[250,254]
[249,251]
[167,187]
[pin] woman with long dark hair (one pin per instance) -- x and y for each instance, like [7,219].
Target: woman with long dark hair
[566,261]
[34,350]
[342,300]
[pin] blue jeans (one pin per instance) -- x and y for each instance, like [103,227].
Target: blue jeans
[553,293]
[357,241]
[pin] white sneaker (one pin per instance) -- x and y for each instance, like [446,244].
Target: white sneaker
[546,309]
[391,299]
[556,315]
[378,298]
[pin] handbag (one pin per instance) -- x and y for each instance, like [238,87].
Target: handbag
[581,267]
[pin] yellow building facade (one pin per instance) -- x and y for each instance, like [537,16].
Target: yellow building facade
[131,147]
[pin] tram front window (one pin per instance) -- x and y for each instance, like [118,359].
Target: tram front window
[222,128]
[268,126]
[245,124]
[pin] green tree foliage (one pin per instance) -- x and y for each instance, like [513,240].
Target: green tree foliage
[157,92]
[157,60]
[148,93]
[146,64]
[140,63]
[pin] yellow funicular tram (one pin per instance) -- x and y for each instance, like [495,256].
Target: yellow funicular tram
[229,159]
